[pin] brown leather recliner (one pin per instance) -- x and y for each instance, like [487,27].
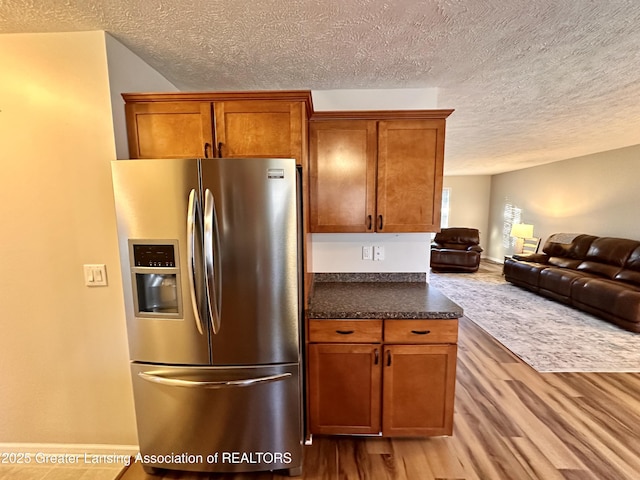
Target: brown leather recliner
[456,250]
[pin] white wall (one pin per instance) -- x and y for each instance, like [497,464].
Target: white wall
[128,74]
[375,99]
[343,252]
[63,350]
[469,203]
[596,194]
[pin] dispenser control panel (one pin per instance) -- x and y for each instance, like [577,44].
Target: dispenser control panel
[154,256]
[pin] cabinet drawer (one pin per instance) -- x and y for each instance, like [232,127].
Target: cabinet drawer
[345,331]
[421,331]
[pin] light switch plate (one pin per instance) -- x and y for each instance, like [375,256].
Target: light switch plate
[95,275]
[366,252]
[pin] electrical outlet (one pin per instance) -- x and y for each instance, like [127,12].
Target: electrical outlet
[366,253]
[378,253]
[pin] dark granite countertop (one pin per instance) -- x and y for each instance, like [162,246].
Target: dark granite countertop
[379,299]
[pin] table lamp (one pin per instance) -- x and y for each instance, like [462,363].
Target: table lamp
[521,231]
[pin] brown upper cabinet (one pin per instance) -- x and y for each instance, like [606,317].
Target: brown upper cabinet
[376,171]
[218,124]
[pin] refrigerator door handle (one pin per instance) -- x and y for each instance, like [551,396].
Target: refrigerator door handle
[192,213]
[178,382]
[213,270]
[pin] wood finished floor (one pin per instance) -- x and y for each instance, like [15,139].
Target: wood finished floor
[511,423]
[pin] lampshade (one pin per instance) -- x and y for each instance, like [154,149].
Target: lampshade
[521,230]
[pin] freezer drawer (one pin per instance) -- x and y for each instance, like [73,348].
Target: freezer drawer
[215,419]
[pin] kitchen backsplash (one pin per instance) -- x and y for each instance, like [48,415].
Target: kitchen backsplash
[343,253]
[370,277]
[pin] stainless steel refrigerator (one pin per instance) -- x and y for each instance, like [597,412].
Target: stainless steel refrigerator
[210,258]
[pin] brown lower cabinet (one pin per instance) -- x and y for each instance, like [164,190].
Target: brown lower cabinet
[344,388]
[362,382]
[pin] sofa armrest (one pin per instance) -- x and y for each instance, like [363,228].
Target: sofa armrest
[475,248]
[532,257]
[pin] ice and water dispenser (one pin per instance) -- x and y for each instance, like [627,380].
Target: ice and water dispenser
[155,276]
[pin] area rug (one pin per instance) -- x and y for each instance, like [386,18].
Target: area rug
[549,336]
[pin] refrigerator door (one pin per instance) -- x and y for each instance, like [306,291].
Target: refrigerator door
[221,419]
[253,261]
[158,209]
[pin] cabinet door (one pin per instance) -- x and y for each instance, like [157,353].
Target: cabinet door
[344,388]
[410,167]
[342,173]
[169,129]
[260,128]
[418,390]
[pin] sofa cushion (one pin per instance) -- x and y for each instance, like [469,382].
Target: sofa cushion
[612,251]
[448,237]
[563,262]
[607,255]
[627,306]
[568,245]
[596,292]
[633,262]
[454,258]
[557,282]
[628,276]
[608,296]
[600,269]
[453,246]
[523,273]
[631,271]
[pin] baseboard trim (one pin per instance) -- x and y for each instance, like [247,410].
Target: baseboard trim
[499,261]
[70,448]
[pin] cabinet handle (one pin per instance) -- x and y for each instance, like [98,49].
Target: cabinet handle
[388,358]
[369,222]
[379,222]
[344,332]
[421,332]
[207,146]
[376,357]
[220,144]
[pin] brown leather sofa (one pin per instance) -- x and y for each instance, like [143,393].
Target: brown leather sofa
[456,250]
[599,275]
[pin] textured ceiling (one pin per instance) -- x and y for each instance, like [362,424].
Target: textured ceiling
[532,81]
